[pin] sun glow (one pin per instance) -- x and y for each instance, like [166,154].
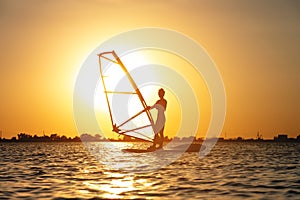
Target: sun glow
[116,80]
[113,74]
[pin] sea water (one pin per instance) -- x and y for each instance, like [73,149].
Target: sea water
[232,170]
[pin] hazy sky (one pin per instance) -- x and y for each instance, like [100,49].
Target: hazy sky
[255,44]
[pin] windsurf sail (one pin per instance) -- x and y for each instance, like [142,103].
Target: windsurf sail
[119,88]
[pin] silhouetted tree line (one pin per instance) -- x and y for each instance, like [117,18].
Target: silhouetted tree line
[24,137]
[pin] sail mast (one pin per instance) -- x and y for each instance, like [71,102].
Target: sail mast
[106,94]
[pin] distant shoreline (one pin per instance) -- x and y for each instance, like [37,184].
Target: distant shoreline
[23,137]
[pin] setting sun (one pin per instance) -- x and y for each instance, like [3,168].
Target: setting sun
[146,67]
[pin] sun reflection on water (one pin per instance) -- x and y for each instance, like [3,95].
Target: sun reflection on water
[115,187]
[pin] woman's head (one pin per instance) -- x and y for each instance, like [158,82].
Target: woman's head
[161,93]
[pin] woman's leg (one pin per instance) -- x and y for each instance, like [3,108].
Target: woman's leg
[161,134]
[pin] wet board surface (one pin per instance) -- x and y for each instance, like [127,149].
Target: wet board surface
[190,148]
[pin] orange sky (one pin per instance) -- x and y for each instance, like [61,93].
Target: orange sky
[254,44]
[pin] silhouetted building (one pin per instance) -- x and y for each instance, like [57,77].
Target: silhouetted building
[281,138]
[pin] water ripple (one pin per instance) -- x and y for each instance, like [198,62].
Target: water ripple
[230,171]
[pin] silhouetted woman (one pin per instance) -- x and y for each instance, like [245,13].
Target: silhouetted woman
[159,125]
